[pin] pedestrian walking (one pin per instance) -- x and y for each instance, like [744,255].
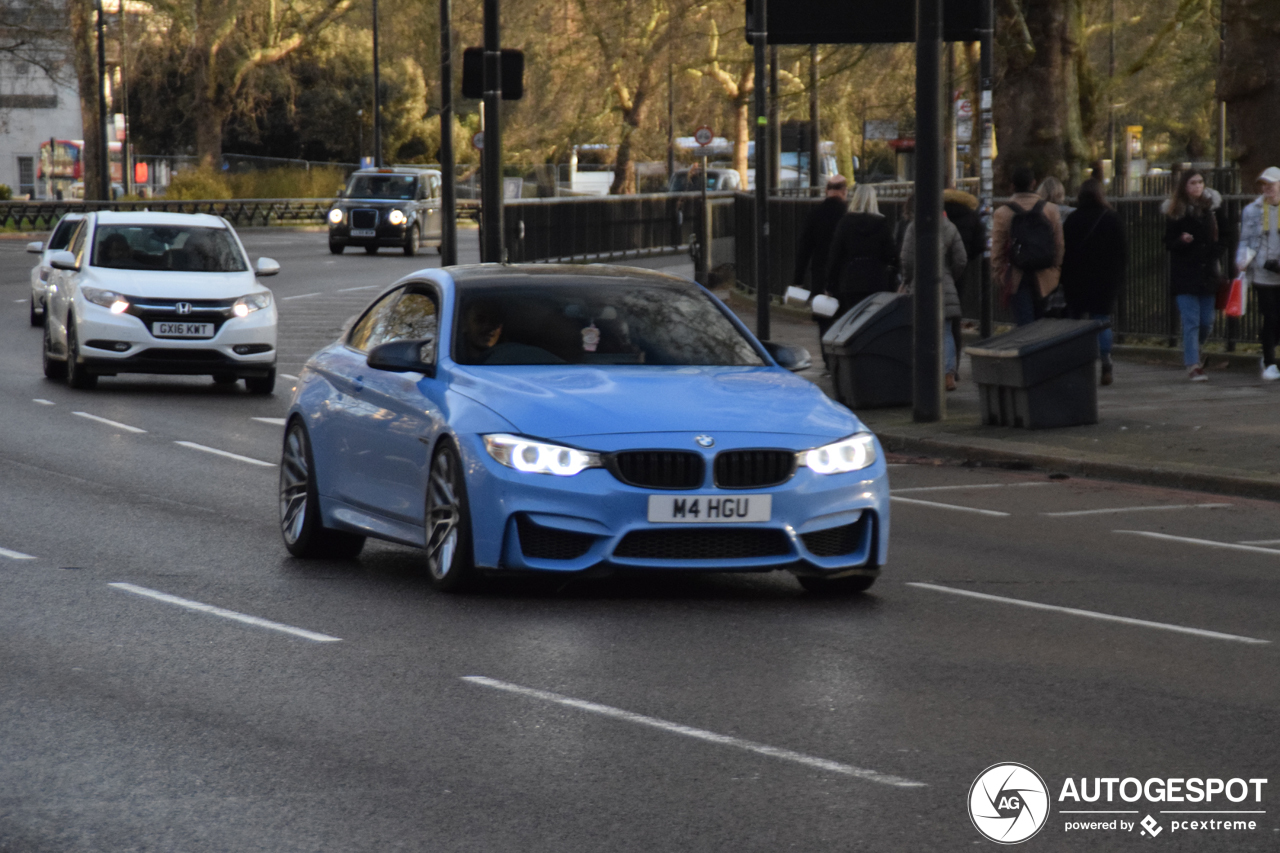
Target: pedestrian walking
[863,256]
[1093,264]
[962,209]
[1191,236]
[1258,259]
[1026,248]
[815,245]
[953,260]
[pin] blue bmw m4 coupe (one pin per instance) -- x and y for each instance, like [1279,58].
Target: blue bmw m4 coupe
[574,418]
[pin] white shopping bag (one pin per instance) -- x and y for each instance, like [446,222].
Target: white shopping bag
[796,294]
[825,306]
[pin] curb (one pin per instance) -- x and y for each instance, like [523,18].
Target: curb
[1198,481]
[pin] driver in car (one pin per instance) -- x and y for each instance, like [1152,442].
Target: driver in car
[481,330]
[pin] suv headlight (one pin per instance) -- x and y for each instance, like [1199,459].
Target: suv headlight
[850,454]
[246,305]
[107,299]
[396,217]
[335,216]
[537,457]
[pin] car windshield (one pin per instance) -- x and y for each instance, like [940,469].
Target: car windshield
[565,322]
[389,187]
[61,236]
[167,247]
[682,182]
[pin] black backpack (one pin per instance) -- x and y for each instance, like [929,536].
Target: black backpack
[1031,242]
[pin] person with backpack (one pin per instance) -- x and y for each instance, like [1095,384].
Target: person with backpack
[1191,234]
[1026,248]
[1258,260]
[1093,264]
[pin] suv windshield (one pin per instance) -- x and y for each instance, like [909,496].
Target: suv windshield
[167,247]
[389,187]
[61,236]
[586,323]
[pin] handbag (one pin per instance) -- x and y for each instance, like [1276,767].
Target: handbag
[825,306]
[1237,298]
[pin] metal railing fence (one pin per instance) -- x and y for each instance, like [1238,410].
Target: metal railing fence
[41,215]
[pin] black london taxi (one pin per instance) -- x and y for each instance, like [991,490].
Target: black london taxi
[397,207]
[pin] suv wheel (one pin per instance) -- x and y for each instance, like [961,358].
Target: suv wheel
[335,247]
[78,376]
[37,314]
[53,368]
[261,384]
[412,241]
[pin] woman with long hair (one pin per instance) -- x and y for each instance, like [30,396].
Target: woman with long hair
[863,258]
[1093,264]
[1191,236]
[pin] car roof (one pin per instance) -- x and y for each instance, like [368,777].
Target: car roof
[398,170]
[477,276]
[152,217]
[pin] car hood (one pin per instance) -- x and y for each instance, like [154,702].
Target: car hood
[161,284]
[560,402]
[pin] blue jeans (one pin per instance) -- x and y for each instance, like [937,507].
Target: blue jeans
[949,352]
[1024,300]
[1105,337]
[1196,311]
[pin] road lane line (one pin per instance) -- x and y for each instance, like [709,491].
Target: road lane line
[115,424]
[700,734]
[1209,542]
[43,402]
[226,614]
[956,488]
[949,506]
[1132,509]
[1143,623]
[15,555]
[218,452]
[288,376]
[364,287]
[300,296]
[1259,542]
[273,421]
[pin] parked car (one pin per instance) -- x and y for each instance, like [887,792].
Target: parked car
[59,238]
[717,180]
[398,207]
[169,293]
[561,419]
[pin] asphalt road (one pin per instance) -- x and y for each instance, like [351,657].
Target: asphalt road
[1083,628]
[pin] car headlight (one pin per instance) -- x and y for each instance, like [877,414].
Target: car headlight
[850,454]
[107,299]
[537,457]
[396,217]
[246,305]
[335,216]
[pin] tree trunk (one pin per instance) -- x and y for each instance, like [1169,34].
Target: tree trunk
[1037,104]
[80,15]
[210,118]
[742,127]
[1249,84]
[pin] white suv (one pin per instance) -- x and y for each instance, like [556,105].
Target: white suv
[59,238]
[141,292]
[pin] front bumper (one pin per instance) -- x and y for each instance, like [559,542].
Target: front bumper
[384,235]
[832,525]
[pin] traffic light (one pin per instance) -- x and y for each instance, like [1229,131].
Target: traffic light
[512,73]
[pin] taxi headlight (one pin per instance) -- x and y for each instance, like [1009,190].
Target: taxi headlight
[335,216]
[396,217]
[246,305]
[850,454]
[106,298]
[537,457]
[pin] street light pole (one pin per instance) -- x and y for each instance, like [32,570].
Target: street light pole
[377,94]
[491,209]
[104,177]
[448,175]
[929,402]
[758,39]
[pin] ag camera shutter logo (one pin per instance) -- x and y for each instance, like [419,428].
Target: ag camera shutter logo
[1008,803]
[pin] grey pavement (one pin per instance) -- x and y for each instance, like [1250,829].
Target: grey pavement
[1154,426]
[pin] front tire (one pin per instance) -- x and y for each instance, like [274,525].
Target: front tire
[851,585]
[261,384]
[450,566]
[53,368]
[412,242]
[300,525]
[78,376]
[336,248]
[37,314]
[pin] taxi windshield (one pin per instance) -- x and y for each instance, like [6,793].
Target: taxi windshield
[388,187]
[167,247]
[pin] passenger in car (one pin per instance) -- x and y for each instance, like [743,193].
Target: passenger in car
[116,252]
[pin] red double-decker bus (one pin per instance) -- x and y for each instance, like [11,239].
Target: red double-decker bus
[62,167]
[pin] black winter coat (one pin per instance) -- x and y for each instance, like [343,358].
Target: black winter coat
[815,243]
[1093,264]
[1190,264]
[864,258]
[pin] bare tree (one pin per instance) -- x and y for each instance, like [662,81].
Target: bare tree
[1249,82]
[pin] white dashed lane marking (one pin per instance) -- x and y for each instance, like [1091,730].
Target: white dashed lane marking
[1142,623]
[15,555]
[225,614]
[1133,509]
[272,421]
[365,287]
[288,376]
[115,424]
[300,296]
[225,453]
[1210,543]
[699,734]
[44,402]
[959,488]
[935,505]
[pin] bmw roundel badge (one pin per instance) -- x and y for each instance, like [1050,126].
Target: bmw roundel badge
[705,441]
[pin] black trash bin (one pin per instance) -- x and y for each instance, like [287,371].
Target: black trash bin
[870,352]
[1040,375]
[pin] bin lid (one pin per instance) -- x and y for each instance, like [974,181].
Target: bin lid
[1034,337]
[867,320]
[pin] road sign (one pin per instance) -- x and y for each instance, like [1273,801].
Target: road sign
[964,107]
[703,135]
[477,140]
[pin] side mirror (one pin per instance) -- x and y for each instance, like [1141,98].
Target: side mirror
[418,356]
[35,248]
[266,267]
[63,260]
[792,358]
